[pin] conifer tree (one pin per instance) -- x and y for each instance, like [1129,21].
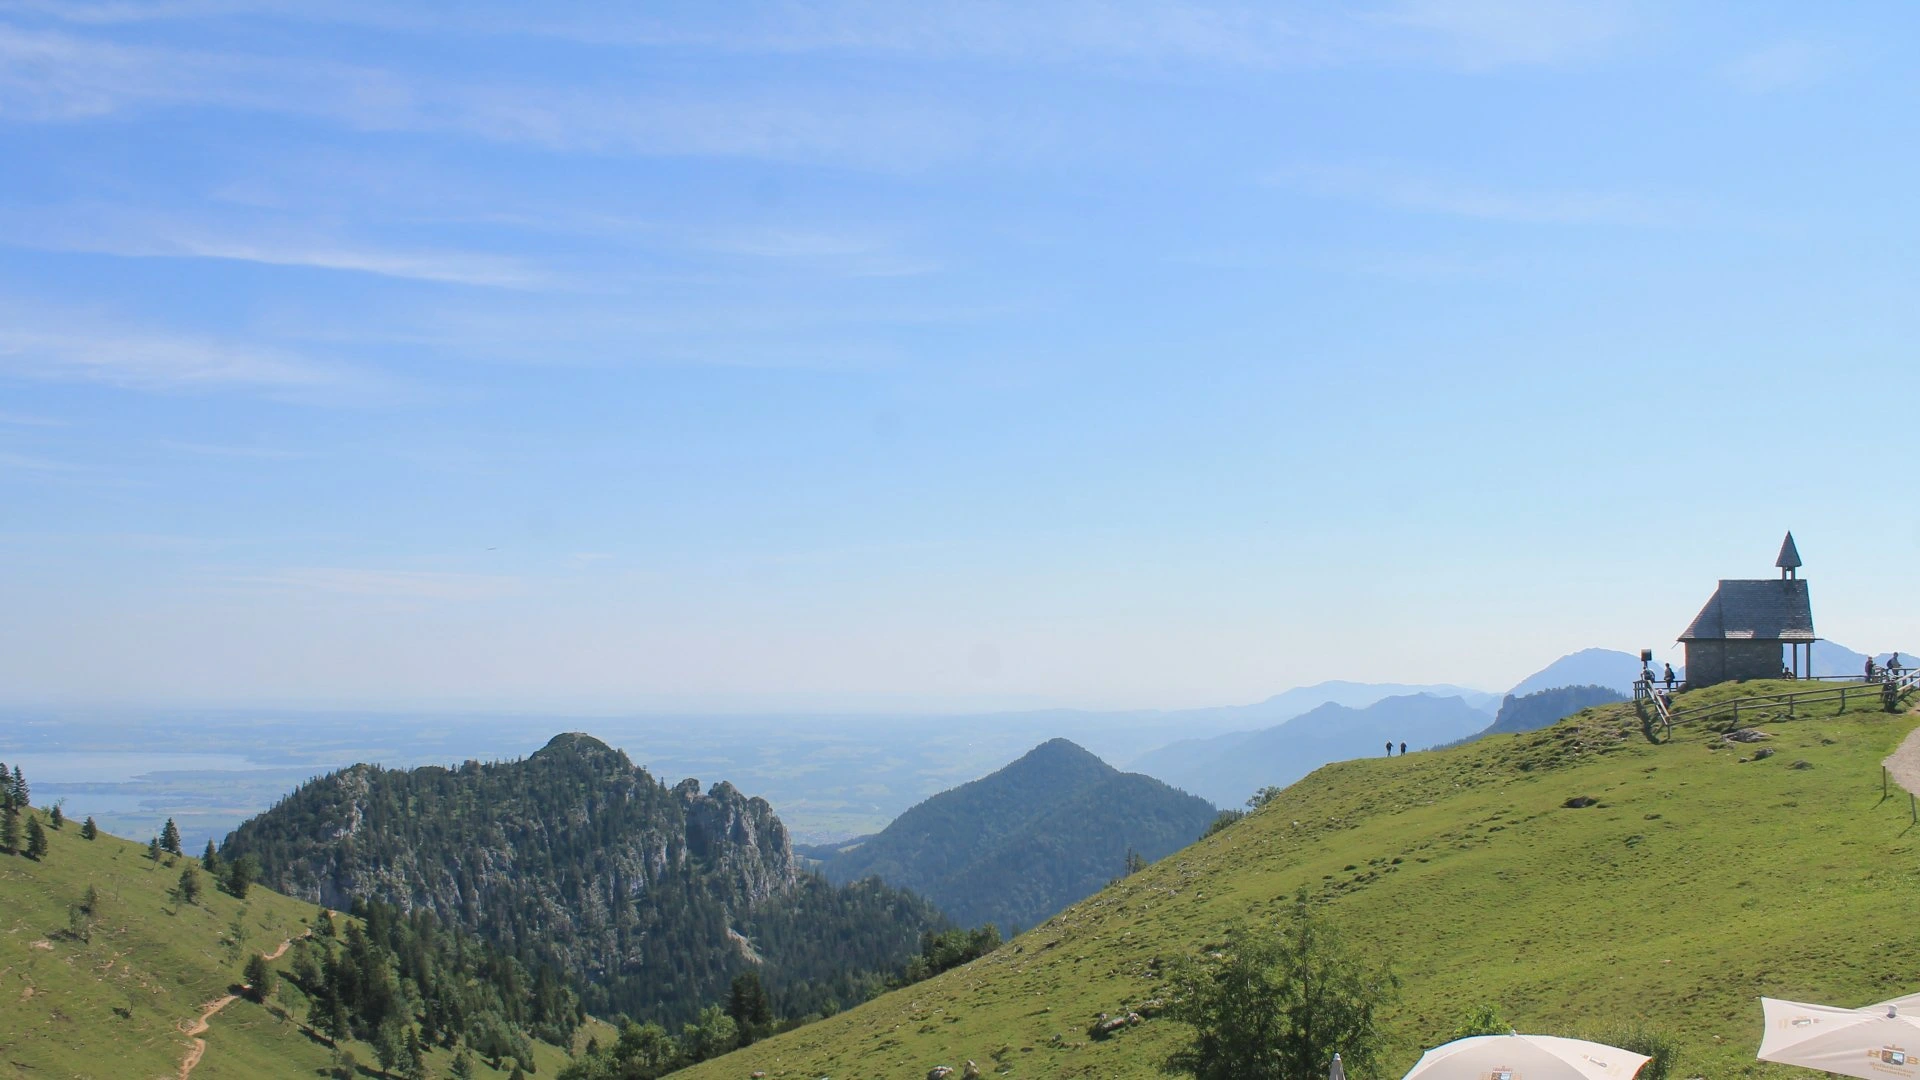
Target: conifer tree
[241,873]
[88,830]
[189,888]
[10,829]
[153,849]
[6,786]
[416,1064]
[36,839]
[259,978]
[20,792]
[210,860]
[56,816]
[747,1005]
[463,1065]
[170,838]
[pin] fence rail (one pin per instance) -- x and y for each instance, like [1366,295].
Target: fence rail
[1658,711]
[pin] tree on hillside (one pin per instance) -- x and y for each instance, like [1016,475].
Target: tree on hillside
[10,829]
[189,888]
[36,839]
[1281,1004]
[210,860]
[21,795]
[170,838]
[56,816]
[462,1065]
[259,978]
[153,849]
[1262,797]
[713,1034]
[748,1006]
[88,830]
[240,875]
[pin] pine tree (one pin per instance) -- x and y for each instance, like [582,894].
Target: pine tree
[747,1005]
[259,978]
[56,816]
[210,861]
[36,839]
[189,888]
[20,792]
[10,829]
[88,830]
[463,1065]
[153,849]
[170,838]
[416,1064]
[240,875]
[6,786]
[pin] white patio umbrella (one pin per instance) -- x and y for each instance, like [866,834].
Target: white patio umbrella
[1879,1041]
[1526,1057]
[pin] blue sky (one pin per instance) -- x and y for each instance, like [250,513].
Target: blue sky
[877,356]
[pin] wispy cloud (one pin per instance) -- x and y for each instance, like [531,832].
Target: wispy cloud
[1504,33]
[1784,65]
[842,253]
[391,584]
[114,231]
[49,77]
[25,420]
[81,349]
[1135,36]
[1427,194]
[265,453]
[28,463]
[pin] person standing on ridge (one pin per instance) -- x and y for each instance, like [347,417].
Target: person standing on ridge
[1403,749]
[1389,747]
[1667,677]
[1869,669]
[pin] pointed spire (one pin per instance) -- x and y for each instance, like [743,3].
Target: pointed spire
[1789,555]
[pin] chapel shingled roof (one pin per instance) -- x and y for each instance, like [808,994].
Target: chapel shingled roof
[1763,610]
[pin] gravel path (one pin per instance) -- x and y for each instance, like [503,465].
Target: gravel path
[1904,764]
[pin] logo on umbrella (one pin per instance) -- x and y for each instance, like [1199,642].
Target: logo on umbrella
[1500,1074]
[1893,1055]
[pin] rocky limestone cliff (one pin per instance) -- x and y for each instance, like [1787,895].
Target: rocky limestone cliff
[573,853]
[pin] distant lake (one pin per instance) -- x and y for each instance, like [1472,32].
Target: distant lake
[114,766]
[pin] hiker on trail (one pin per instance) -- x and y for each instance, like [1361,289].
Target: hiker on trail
[1389,747]
[1403,749]
[1869,669]
[1668,677]
[1893,665]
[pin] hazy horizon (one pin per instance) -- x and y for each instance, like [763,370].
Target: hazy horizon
[857,359]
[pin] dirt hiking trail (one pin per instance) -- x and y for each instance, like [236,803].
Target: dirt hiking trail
[199,1027]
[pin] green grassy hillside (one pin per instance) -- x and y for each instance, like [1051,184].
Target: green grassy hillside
[1699,881]
[117,1006]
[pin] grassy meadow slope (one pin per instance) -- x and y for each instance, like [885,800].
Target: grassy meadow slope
[1698,882]
[117,1006]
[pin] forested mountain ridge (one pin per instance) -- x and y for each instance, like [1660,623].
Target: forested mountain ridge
[1544,707]
[1018,845]
[650,898]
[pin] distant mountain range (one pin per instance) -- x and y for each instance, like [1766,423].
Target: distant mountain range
[1229,768]
[1018,845]
[1610,668]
